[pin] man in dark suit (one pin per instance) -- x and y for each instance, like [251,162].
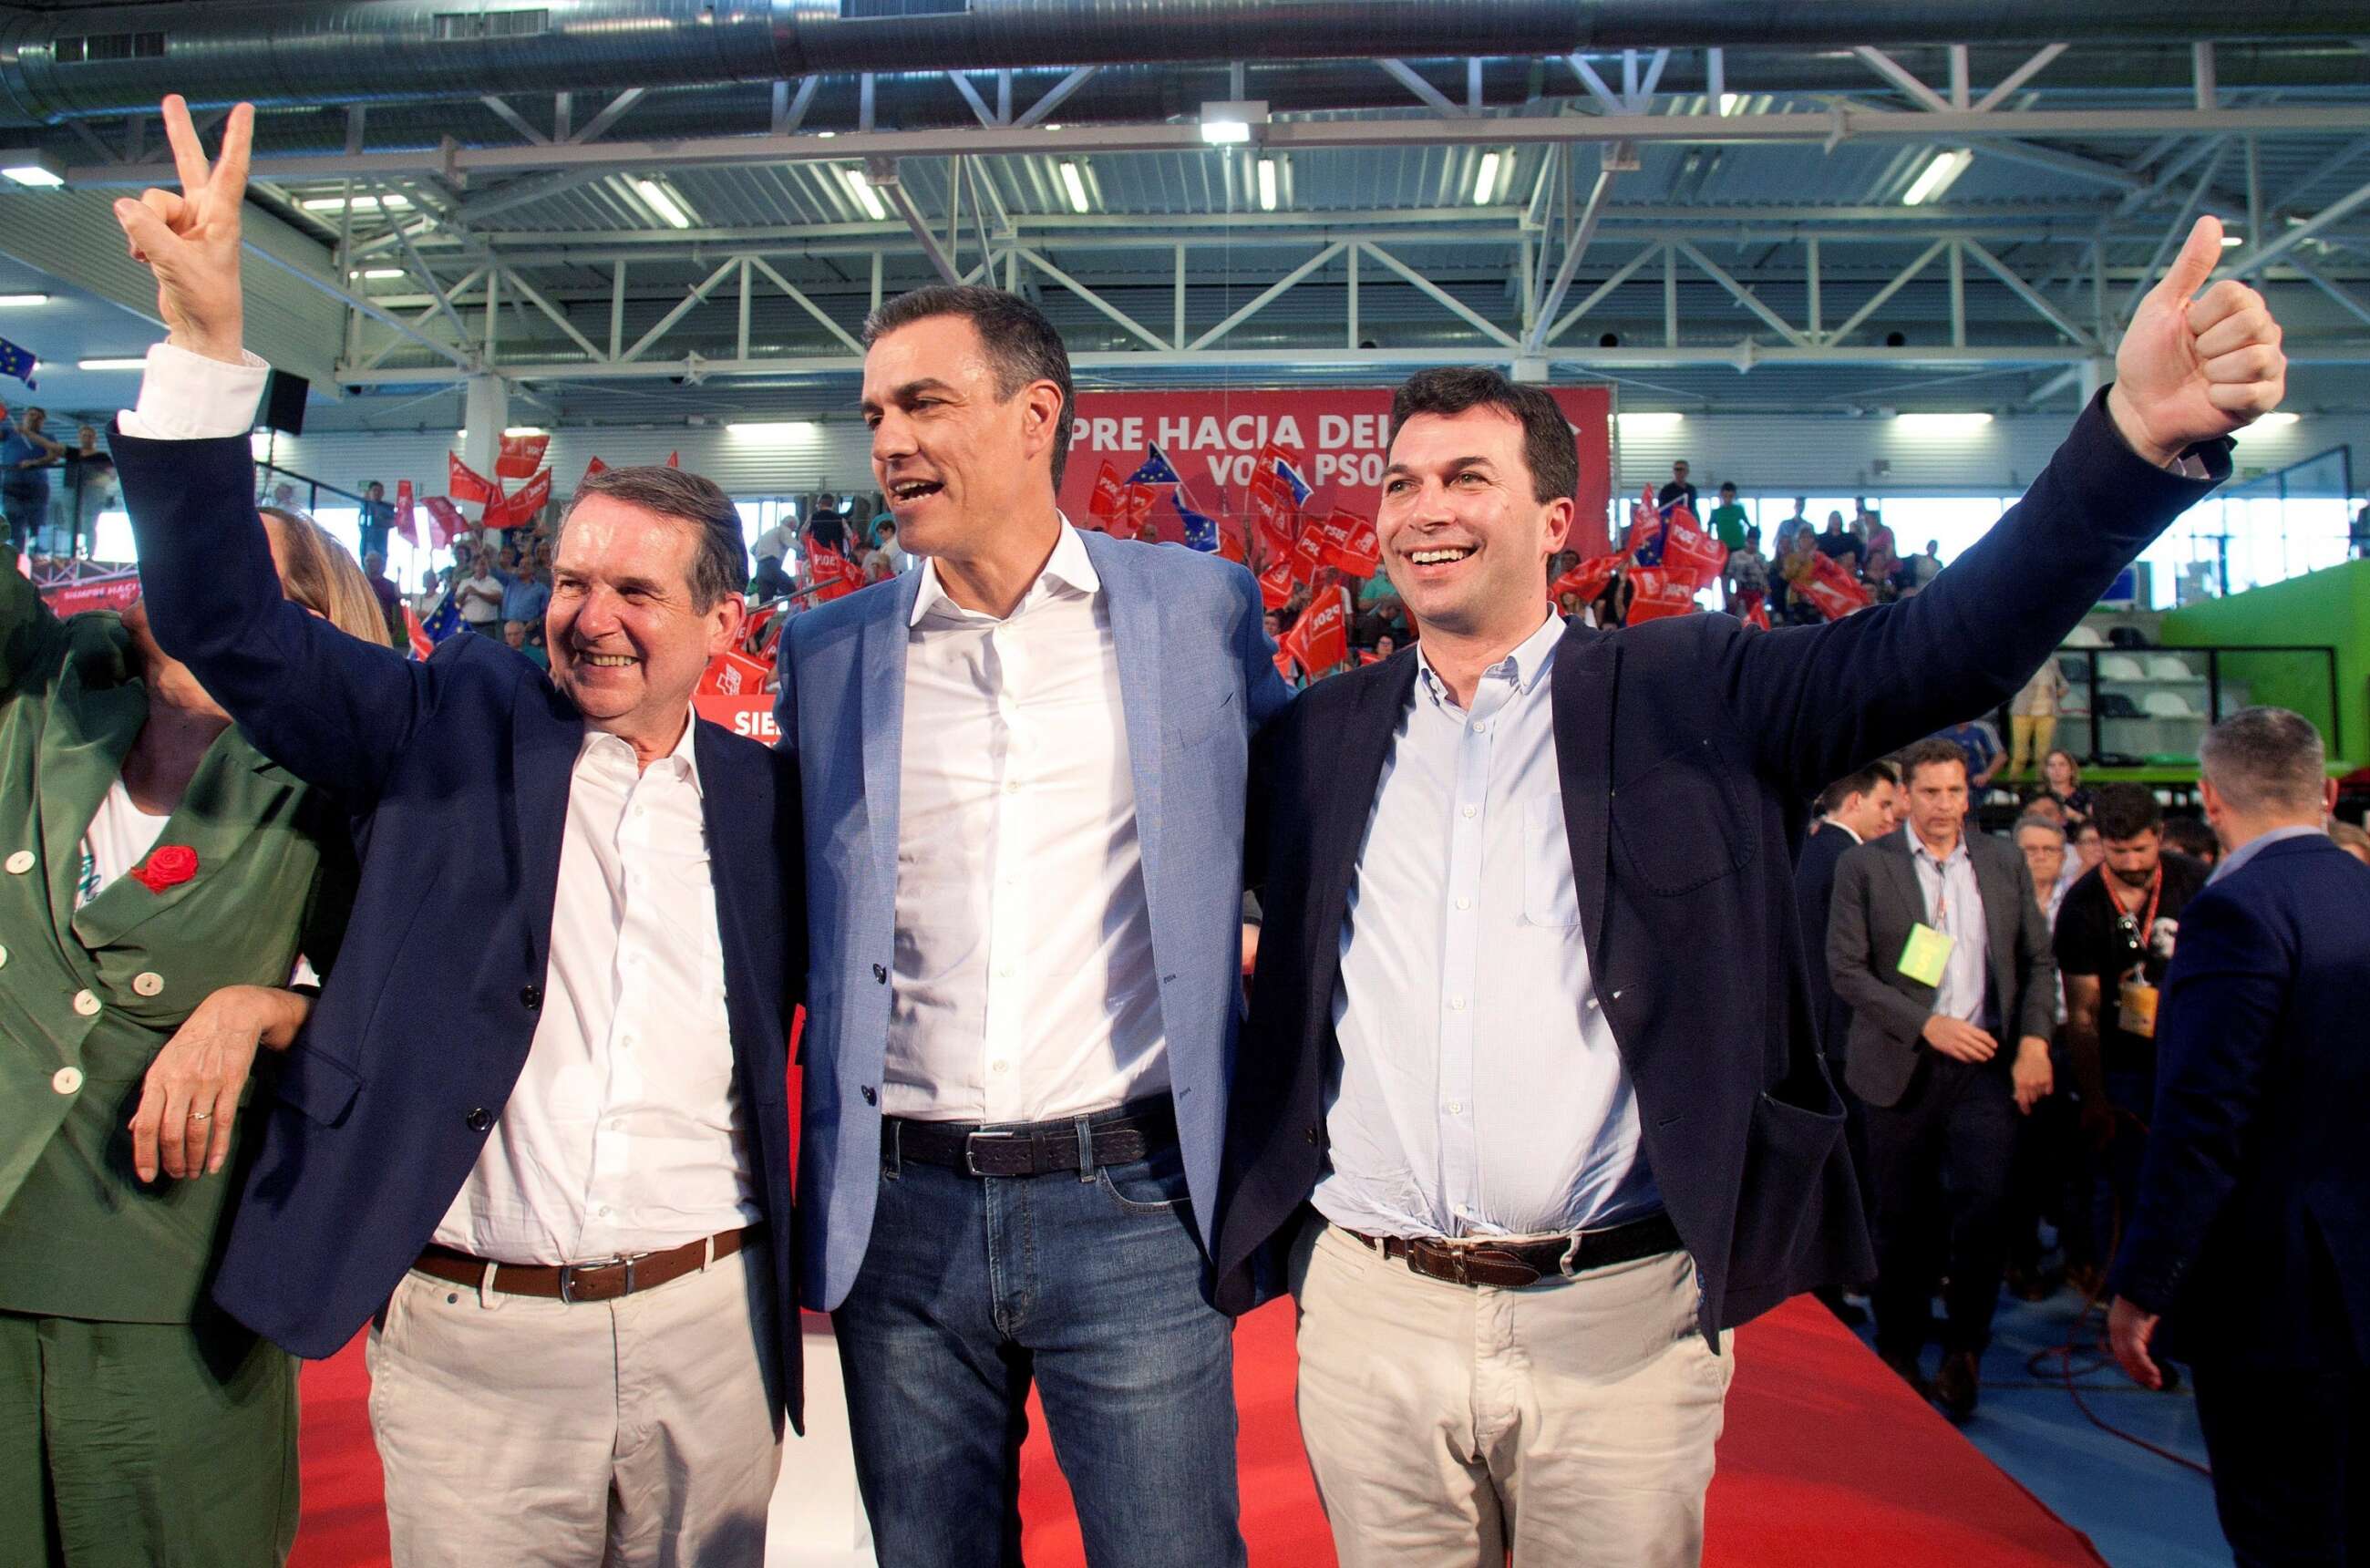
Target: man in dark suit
[1938,948]
[1576,848]
[1863,805]
[559,1180]
[2251,1240]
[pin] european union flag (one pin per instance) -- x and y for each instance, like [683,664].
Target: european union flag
[1156,470]
[1291,476]
[1201,532]
[18,363]
[442,621]
[1648,552]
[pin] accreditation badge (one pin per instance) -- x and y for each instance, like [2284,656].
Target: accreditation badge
[2137,1014]
[1927,954]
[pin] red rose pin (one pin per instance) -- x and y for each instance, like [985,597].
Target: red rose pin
[170,865]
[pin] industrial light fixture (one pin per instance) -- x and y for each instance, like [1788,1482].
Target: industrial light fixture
[2232,241]
[2279,418]
[376,274]
[1074,184]
[663,203]
[1656,419]
[1943,424]
[1485,182]
[111,364]
[390,204]
[25,299]
[865,197]
[1228,124]
[1938,176]
[1267,185]
[769,430]
[1728,102]
[525,430]
[34,166]
[33,175]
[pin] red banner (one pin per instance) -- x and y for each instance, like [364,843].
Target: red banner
[520,455]
[1833,590]
[1275,585]
[732,675]
[406,519]
[1689,554]
[1221,441]
[523,508]
[1350,544]
[594,467]
[464,483]
[1587,580]
[111,591]
[1320,638]
[830,574]
[1659,593]
[444,521]
[747,714]
[1104,503]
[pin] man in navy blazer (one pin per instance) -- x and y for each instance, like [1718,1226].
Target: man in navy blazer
[1023,771]
[537,1125]
[2250,1238]
[1542,1220]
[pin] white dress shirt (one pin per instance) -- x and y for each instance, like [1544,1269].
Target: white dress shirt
[1479,1090]
[626,1132]
[1024,988]
[1954,906]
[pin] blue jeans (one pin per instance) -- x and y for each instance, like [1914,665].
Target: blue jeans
[27,513]
[1090,1283]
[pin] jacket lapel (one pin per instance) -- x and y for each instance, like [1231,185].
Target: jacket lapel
[232,793]
[83,746]
[1136,635]
[1586,662]
[736,849]
[882,722]
[1347,805]
[546,736]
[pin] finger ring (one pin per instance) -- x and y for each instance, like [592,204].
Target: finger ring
[200,1115]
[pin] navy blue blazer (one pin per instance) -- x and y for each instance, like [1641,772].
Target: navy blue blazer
[2251,1231]
[1814,899]
[1686,748]
[455,772]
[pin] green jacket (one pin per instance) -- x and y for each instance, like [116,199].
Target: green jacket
[88,997]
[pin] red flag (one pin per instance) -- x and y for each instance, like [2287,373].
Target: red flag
[1275,584]
[520,455]
[444,521]
[1284,662]
[1660,593]
[594,467]
[1104,504]
[532,498]
[421,644]
[830,574]
[1230,541]
[1755,605]
[675,460]
[1275,532]
[465,483]
[1689,553]
[406,522]
[1271,493]
[1587,578]
[1307,552]
[1135,503]
[732,675]
[1320,638]
[1831,589]
[1349,543]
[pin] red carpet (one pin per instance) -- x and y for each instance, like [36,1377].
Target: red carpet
[1827,1462]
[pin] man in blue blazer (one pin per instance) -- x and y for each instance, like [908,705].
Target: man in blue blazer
[1023,771]
[2250,1237]
[537,1126]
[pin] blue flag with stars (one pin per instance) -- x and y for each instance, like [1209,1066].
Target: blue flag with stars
[442,621]
[1201,531]
[18,363]
[1156,470]
[1291,476]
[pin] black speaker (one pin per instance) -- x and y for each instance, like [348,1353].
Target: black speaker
[283,403]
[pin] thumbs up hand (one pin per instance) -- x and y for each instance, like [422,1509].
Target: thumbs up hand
[2192,369]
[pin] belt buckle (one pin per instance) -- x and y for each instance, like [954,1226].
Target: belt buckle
[970,1150]
[568,1276]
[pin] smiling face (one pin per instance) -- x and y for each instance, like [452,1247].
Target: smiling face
[627,643]
[1465,541]
[956,458]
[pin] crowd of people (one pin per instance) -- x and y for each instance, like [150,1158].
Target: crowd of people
[51,494]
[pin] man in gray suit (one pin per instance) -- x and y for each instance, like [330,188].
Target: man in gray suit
[1938,948]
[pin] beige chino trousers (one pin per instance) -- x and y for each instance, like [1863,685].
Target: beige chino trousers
[1572,1421]
[640,1433]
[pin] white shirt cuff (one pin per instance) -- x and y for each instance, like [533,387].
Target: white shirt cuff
[187,396]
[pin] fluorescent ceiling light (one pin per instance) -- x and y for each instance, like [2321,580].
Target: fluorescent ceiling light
[377,274]
[111,364]
[1938,177]
[671,211]
[1485,183]
[1229,125]
[1943,424]
[2279,418]
[1728,102]
[865,197]
[1653,420]
[526,430]
[8,300]
[1267,185]
[34,175]
[769,430]
[2232,241]
[1217,133]
[356,203]
[1074,184]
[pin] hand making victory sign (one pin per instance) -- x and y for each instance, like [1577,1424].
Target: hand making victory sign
[2194,368]
[190,241]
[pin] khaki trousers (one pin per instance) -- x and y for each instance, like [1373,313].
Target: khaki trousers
[641,1431]
[1571,1421]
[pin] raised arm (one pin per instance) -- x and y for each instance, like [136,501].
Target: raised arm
[329,707]
[1820,701]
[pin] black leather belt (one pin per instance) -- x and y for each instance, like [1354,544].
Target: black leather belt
[1138,1131]
[1510,1265]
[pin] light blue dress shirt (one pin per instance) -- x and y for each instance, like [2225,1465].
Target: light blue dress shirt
[2229,863]
[1954,906]
[1479,1090]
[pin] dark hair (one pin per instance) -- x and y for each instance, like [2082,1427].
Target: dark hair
[2125,811]
[2265,757]
[1019,340]
[1932,752]
[2192,836]
[1727,486]
[721,564]
[1862,782]
[1549,449]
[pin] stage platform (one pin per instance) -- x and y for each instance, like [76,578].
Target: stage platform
[1828,1461]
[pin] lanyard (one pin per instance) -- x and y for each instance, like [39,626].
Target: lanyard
[2139,934]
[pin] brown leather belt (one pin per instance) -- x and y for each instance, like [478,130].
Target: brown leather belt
[1510,1265]
[603,1281]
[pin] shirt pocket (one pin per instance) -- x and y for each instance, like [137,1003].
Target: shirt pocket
[1550,894]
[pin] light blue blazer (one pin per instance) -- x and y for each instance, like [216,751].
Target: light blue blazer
[1197,678]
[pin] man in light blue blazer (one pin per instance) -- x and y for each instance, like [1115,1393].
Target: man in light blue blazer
[1023,769]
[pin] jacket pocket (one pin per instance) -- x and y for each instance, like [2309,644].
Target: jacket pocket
[1787,1148]
[321,1087]
[1679,821]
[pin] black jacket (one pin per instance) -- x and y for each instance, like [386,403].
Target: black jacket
[1814,896]
[1685,747]
[2251,1232]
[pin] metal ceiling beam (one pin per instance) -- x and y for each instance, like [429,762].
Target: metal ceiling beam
[1576,246]
[2260,255]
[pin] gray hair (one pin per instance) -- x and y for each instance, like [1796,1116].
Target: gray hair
[2056,829]
[2265,759]
[722,563]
